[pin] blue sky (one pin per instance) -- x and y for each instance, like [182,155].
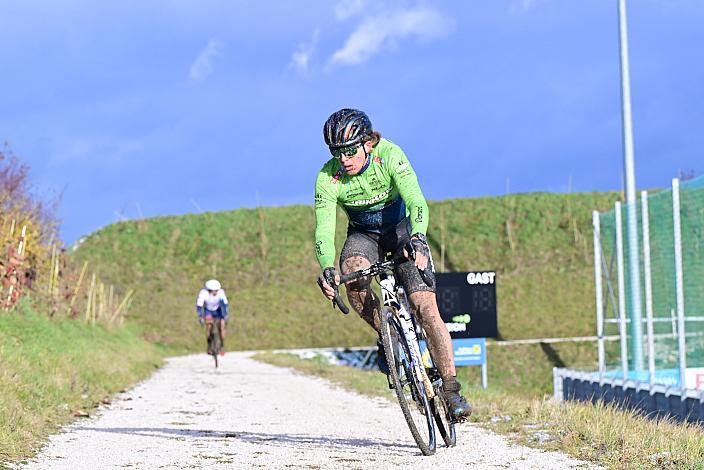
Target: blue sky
[166,107]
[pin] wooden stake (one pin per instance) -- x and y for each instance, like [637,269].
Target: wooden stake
[122,304]
[78,284]
[89,300]
[51,269]
[55,284]
[110,301]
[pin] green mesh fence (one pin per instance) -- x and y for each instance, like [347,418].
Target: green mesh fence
[664,291]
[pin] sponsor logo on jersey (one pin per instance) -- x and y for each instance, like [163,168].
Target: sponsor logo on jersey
[373,200]
[319,200]
[402,166]
[419,215]
[379,160]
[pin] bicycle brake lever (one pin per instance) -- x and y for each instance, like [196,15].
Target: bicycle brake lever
[337,300]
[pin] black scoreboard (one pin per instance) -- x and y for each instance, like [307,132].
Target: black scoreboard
[467,303]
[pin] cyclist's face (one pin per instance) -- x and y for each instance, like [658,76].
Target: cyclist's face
[353,164]
[213,292]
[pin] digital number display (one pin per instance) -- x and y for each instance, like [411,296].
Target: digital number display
[467,303]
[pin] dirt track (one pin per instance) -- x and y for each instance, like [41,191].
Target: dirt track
[248,414]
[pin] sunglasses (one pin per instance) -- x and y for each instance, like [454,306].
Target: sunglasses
[345,151]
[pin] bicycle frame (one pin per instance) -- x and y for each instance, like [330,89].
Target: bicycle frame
[391,297]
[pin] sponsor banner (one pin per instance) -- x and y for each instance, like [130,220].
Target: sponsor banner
[694,378]
[467,352]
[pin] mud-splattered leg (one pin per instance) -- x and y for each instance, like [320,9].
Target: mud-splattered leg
[425,305]
[360,293]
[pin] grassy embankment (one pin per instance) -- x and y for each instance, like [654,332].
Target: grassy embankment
[599,434]
[52,370]
[540,245]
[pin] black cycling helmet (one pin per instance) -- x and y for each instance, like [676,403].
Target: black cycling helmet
[346,127]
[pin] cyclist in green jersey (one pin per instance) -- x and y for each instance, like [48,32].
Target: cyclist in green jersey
[373,181]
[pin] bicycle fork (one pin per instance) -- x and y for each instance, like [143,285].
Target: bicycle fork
[409,332]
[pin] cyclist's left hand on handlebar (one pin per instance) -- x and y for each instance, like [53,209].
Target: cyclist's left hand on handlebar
[201,321]
[325,281]
[417,250]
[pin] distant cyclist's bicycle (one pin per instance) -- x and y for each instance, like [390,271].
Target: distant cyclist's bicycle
[215,340]
[417,383]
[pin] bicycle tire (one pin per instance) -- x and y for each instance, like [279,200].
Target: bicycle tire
[215,341]
[409,388]
[443,420]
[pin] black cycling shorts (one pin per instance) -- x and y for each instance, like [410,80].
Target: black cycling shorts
[374,246]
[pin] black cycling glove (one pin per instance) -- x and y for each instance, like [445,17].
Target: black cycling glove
[418,243]
[328,275]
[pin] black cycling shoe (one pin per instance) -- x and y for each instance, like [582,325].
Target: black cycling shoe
[381,359]
[458,407]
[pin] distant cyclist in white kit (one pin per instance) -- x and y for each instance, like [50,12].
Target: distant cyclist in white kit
[211,306]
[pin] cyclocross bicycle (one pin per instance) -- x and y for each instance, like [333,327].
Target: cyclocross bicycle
[417,382]
[215,340]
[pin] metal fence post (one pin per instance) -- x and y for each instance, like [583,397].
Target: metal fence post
[648,287]
[621,291]
[599,294]
[679,283]
[634,312]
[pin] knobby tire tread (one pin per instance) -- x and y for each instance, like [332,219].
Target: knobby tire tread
[427,448]
[445,426]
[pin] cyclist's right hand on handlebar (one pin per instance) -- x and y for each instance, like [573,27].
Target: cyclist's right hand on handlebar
[201,321]
[326,280]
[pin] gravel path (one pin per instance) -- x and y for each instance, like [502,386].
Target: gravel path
[247,414]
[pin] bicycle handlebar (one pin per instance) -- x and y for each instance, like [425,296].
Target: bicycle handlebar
[373,270]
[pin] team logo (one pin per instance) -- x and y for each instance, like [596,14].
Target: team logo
[337,176]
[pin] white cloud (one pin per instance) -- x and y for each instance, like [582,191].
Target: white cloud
[103,148]
[382,31]
[300,59]
[203,65]
[347,8]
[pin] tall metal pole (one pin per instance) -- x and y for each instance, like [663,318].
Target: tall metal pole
[647,277]
[679,283]
[621,291]
[629,173]
[599,294]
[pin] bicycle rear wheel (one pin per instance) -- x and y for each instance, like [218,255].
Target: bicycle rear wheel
[409,388]
[443,419]
[441,412]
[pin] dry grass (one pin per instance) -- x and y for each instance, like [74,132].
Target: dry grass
[600,434]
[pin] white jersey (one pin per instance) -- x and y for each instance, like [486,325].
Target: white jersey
[211,301]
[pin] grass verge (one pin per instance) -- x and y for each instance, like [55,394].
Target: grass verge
[600,434]
[52,370]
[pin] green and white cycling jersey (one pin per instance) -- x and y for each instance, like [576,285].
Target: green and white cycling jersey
[375,200]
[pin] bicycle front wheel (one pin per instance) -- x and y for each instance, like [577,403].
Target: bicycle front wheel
[409,388]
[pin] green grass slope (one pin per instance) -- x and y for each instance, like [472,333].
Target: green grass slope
[539,243]
[51,368]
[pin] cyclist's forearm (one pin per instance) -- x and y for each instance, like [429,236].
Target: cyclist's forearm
[325,238]
[415,201]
